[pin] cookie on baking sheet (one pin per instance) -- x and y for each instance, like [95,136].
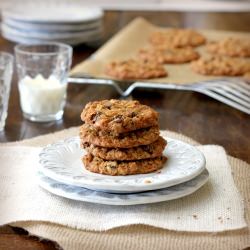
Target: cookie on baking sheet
[218,66]
[131,139]
[177,38]
[119,115]
[98,165]
[169,55]
[234,47]
[135,69]
[152,150]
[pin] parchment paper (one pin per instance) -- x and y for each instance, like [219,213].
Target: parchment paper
[134,36]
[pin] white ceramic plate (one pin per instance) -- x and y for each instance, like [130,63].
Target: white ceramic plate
[72,41]
[51,36]
[61,13]
[62,162]
[83,194]
[54,27]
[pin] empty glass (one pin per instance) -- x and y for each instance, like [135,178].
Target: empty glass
[42,79]
[6,70]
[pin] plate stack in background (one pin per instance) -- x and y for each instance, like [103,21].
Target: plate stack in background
[69,24]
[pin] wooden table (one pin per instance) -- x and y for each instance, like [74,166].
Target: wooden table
[192,114]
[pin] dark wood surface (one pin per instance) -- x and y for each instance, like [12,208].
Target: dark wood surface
[195,115]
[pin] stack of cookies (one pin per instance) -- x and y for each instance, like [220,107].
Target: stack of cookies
[121,138]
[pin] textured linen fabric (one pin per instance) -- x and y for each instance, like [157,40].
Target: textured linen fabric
[217,206]
[144,237]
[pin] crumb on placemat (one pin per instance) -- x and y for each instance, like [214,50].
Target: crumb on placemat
[195,216]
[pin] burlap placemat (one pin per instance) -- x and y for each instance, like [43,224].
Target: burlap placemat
[215,207]
[134,36]
[145,237]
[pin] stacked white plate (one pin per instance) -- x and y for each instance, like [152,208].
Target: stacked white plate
[69,24]
[62,173]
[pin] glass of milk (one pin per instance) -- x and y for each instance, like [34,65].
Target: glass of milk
[42,79]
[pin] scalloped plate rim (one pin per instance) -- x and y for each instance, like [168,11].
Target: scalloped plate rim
[114,186]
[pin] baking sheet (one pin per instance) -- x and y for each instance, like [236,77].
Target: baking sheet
[126,43]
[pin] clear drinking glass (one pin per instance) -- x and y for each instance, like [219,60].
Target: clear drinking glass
[42,79]
[6,70]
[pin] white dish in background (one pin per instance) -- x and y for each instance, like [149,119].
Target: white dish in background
[87,195]
[74,41]
[51,35]
[51,27]
[53,13]
[62,162]
[62,22]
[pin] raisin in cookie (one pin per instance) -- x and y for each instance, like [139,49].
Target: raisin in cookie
[218,66]
[234,47]
[98,165]
[135,69]
[152,150]
[169,55]
[119,115]
[131,139]
[176,38]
